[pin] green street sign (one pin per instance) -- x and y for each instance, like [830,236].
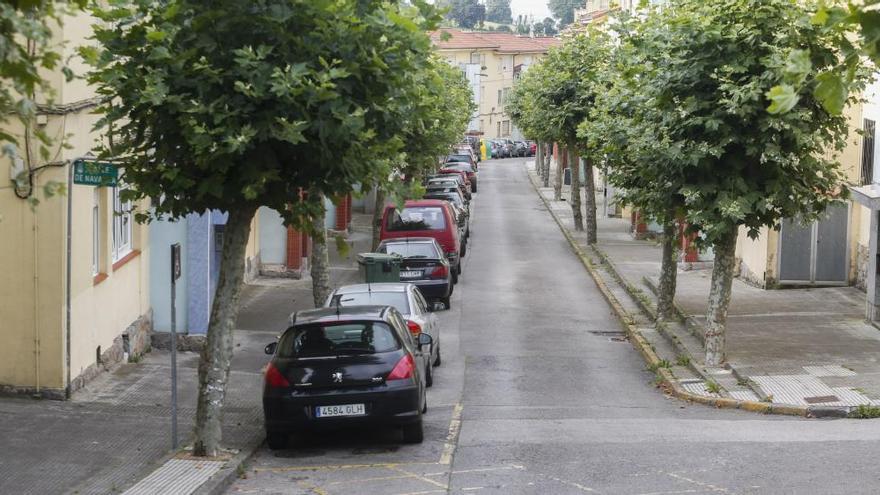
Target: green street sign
[93,173]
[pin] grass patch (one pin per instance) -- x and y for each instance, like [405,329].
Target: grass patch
[865,412]
[683,360]
[713,387]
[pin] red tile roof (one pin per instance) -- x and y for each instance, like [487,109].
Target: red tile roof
[502,42]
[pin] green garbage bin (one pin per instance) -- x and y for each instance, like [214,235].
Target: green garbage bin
[379,267]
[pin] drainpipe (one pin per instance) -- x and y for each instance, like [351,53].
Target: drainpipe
[67,390]
[36,267]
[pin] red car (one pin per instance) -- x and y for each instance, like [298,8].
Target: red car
[426,218]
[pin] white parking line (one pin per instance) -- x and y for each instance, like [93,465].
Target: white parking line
[452,436]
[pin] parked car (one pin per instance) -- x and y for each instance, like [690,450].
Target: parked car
[500,149]
[424,265]
[344,366]
[463,167]
[462,173]
[521,148]
[533,148]
[466,150]
[461,214]
[426,218]
[446,178]
[438,188]
[404,297]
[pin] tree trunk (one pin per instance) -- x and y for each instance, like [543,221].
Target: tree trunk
[590,189]
[575,200]
[320,262]
[668,272]
[560,170]
[719,299]
[539,159]
[545,169]
[216,357]
[377,218]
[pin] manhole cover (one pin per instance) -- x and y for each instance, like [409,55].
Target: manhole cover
[821,399]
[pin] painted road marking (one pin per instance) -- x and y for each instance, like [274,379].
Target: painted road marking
[452,436]
[420,478]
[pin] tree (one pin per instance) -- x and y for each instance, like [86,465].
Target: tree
[466,13]
[735,164]
[547,28]
[28,51]
[232,105]
[499,11]
[563,10]
[440,110]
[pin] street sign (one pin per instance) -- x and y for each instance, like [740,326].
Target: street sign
[94,173]
[175,261]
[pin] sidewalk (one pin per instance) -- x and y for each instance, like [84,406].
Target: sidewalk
[801,347]
[116,431]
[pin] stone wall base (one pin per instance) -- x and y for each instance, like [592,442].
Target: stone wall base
[185,342]
[862,255]
[748,276]
[130,345]
[280,271]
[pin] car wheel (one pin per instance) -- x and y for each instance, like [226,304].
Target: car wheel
[429,376]
[447,304]
[463,250]
[276,440]
[454,276]
[414,433]
[474,187]
[458,270]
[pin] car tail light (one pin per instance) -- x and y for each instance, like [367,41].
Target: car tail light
[403,369]
[439,272]
[414,328]
[274,378]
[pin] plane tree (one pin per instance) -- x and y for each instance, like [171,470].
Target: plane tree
[233,105]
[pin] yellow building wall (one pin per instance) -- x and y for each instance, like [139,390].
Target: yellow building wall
[498,78]
[33,251]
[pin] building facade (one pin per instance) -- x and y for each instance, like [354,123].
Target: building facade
[491,62]
[55,339]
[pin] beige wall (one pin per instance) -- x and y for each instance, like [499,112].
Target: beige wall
[499,76]
[33,254]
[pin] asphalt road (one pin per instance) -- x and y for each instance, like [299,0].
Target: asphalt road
[534,397]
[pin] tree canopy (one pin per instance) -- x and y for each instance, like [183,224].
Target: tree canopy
[467,14]
[563,10]
[499,11]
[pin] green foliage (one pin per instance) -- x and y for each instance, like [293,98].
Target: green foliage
[558,93]
[713,387]
[563,10]
[499,11]
[227,104]
[865,411]
[685,121]
[28,52]
[467,14]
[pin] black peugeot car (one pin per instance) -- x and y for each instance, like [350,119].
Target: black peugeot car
[345,366]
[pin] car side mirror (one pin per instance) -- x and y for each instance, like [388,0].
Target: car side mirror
[425,339]
[270,348]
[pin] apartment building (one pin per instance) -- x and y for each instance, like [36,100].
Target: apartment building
[492,62]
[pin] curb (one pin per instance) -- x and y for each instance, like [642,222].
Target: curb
[644,348]
[220,481]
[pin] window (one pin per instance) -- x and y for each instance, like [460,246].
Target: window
[507,63]
[504,96]
[121,224]
[366,337]
[482,124]
[499,98]
[416,218]
[423,250]
[374,298]
[475,57]
[96,231]
[868,153]
[498,132]
[505,128]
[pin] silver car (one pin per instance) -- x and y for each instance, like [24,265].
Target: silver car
[407,299]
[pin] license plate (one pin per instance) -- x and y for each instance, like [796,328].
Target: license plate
[411,274]
[340,410]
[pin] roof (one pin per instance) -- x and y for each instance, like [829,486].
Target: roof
[378,287]
[502,42]
[342,313]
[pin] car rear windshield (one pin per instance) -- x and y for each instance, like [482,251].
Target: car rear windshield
[321,340]
[411,249]
[373,298]
[451,197]
[417,218]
